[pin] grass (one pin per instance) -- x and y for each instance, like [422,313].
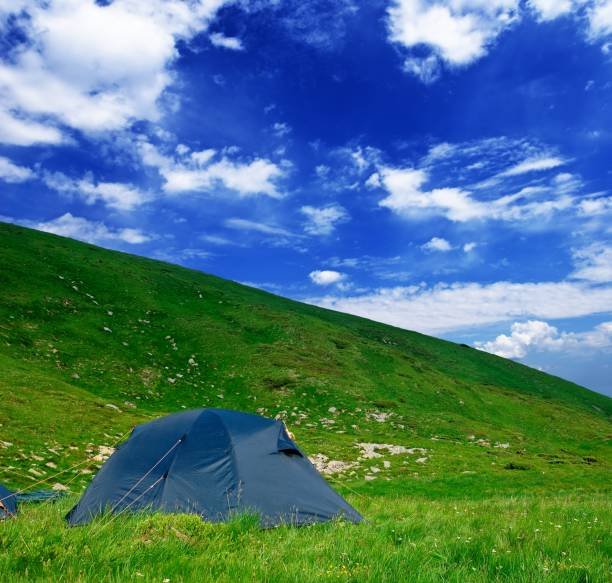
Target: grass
[555,539]
[93,342]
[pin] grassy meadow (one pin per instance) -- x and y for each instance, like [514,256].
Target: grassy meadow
[466,466]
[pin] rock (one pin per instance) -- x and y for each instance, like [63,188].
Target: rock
[51,465]
[421,460]
[379,417]
[332,410]
[369,478]
[114,407]
[502,445]
[59,487]
[107,329]
[328,467]
[370,450]
[387,464]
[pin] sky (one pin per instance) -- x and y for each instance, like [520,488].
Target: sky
[443,166]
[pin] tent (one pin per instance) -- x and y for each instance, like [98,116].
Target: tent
[215,463]
[8,503]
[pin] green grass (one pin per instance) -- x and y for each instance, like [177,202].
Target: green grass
[558,539]
[94,341]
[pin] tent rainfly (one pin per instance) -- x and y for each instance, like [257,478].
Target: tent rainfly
[8,503]
[214,463]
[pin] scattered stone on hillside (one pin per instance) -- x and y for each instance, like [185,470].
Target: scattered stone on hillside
[107,329]
[501,445]
[387,464]
[326,421]
[220,395]
[171,380]
[37,457]
[192,361]
[104,452]
[375,469]
[421,460]
[370,450]
[75,375]
[369,478]
[59,487]
[5,444]
[51,465]
[109,312]
[328,467]
[471,437]
[129,404]
[332,410]
[37,473]
[114,407]
[379,416]
[483,442]
[85,471]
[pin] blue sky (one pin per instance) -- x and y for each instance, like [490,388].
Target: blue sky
[442,166]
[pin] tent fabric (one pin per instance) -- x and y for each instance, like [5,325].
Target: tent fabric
[8,503]
[215,463]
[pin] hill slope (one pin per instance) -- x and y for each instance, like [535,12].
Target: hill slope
[93,341]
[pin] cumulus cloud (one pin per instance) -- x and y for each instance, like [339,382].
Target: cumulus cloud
[469,247]
[457,32]
[326,277]
[551,9]
[408,197]
[447,307]
[539,335]
[437,244]
[207,170]
[323,220]
[68,225]
[505,190]
[600,19]
[65,70]
[227,42]
[13,173]
[20,132]
[114,195]
[593,263]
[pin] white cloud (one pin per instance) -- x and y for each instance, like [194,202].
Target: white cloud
[437,244]
[91,66]
[409,193]
[593,263]
[323,220]
[600,19]
[19,132]
[83,229]
[281,129]
[457,32]
[533,165]
[10,172]
[227,42]
[551,9]
[114,195]
[447,307]
[538,335]
[326,277]
[597,205]
[427,69]
[469,247]
[247,225]
[197,172]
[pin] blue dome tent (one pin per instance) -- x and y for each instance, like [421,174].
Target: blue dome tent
[8,503]
[215,463]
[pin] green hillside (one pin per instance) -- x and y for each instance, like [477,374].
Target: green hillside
[93,341]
